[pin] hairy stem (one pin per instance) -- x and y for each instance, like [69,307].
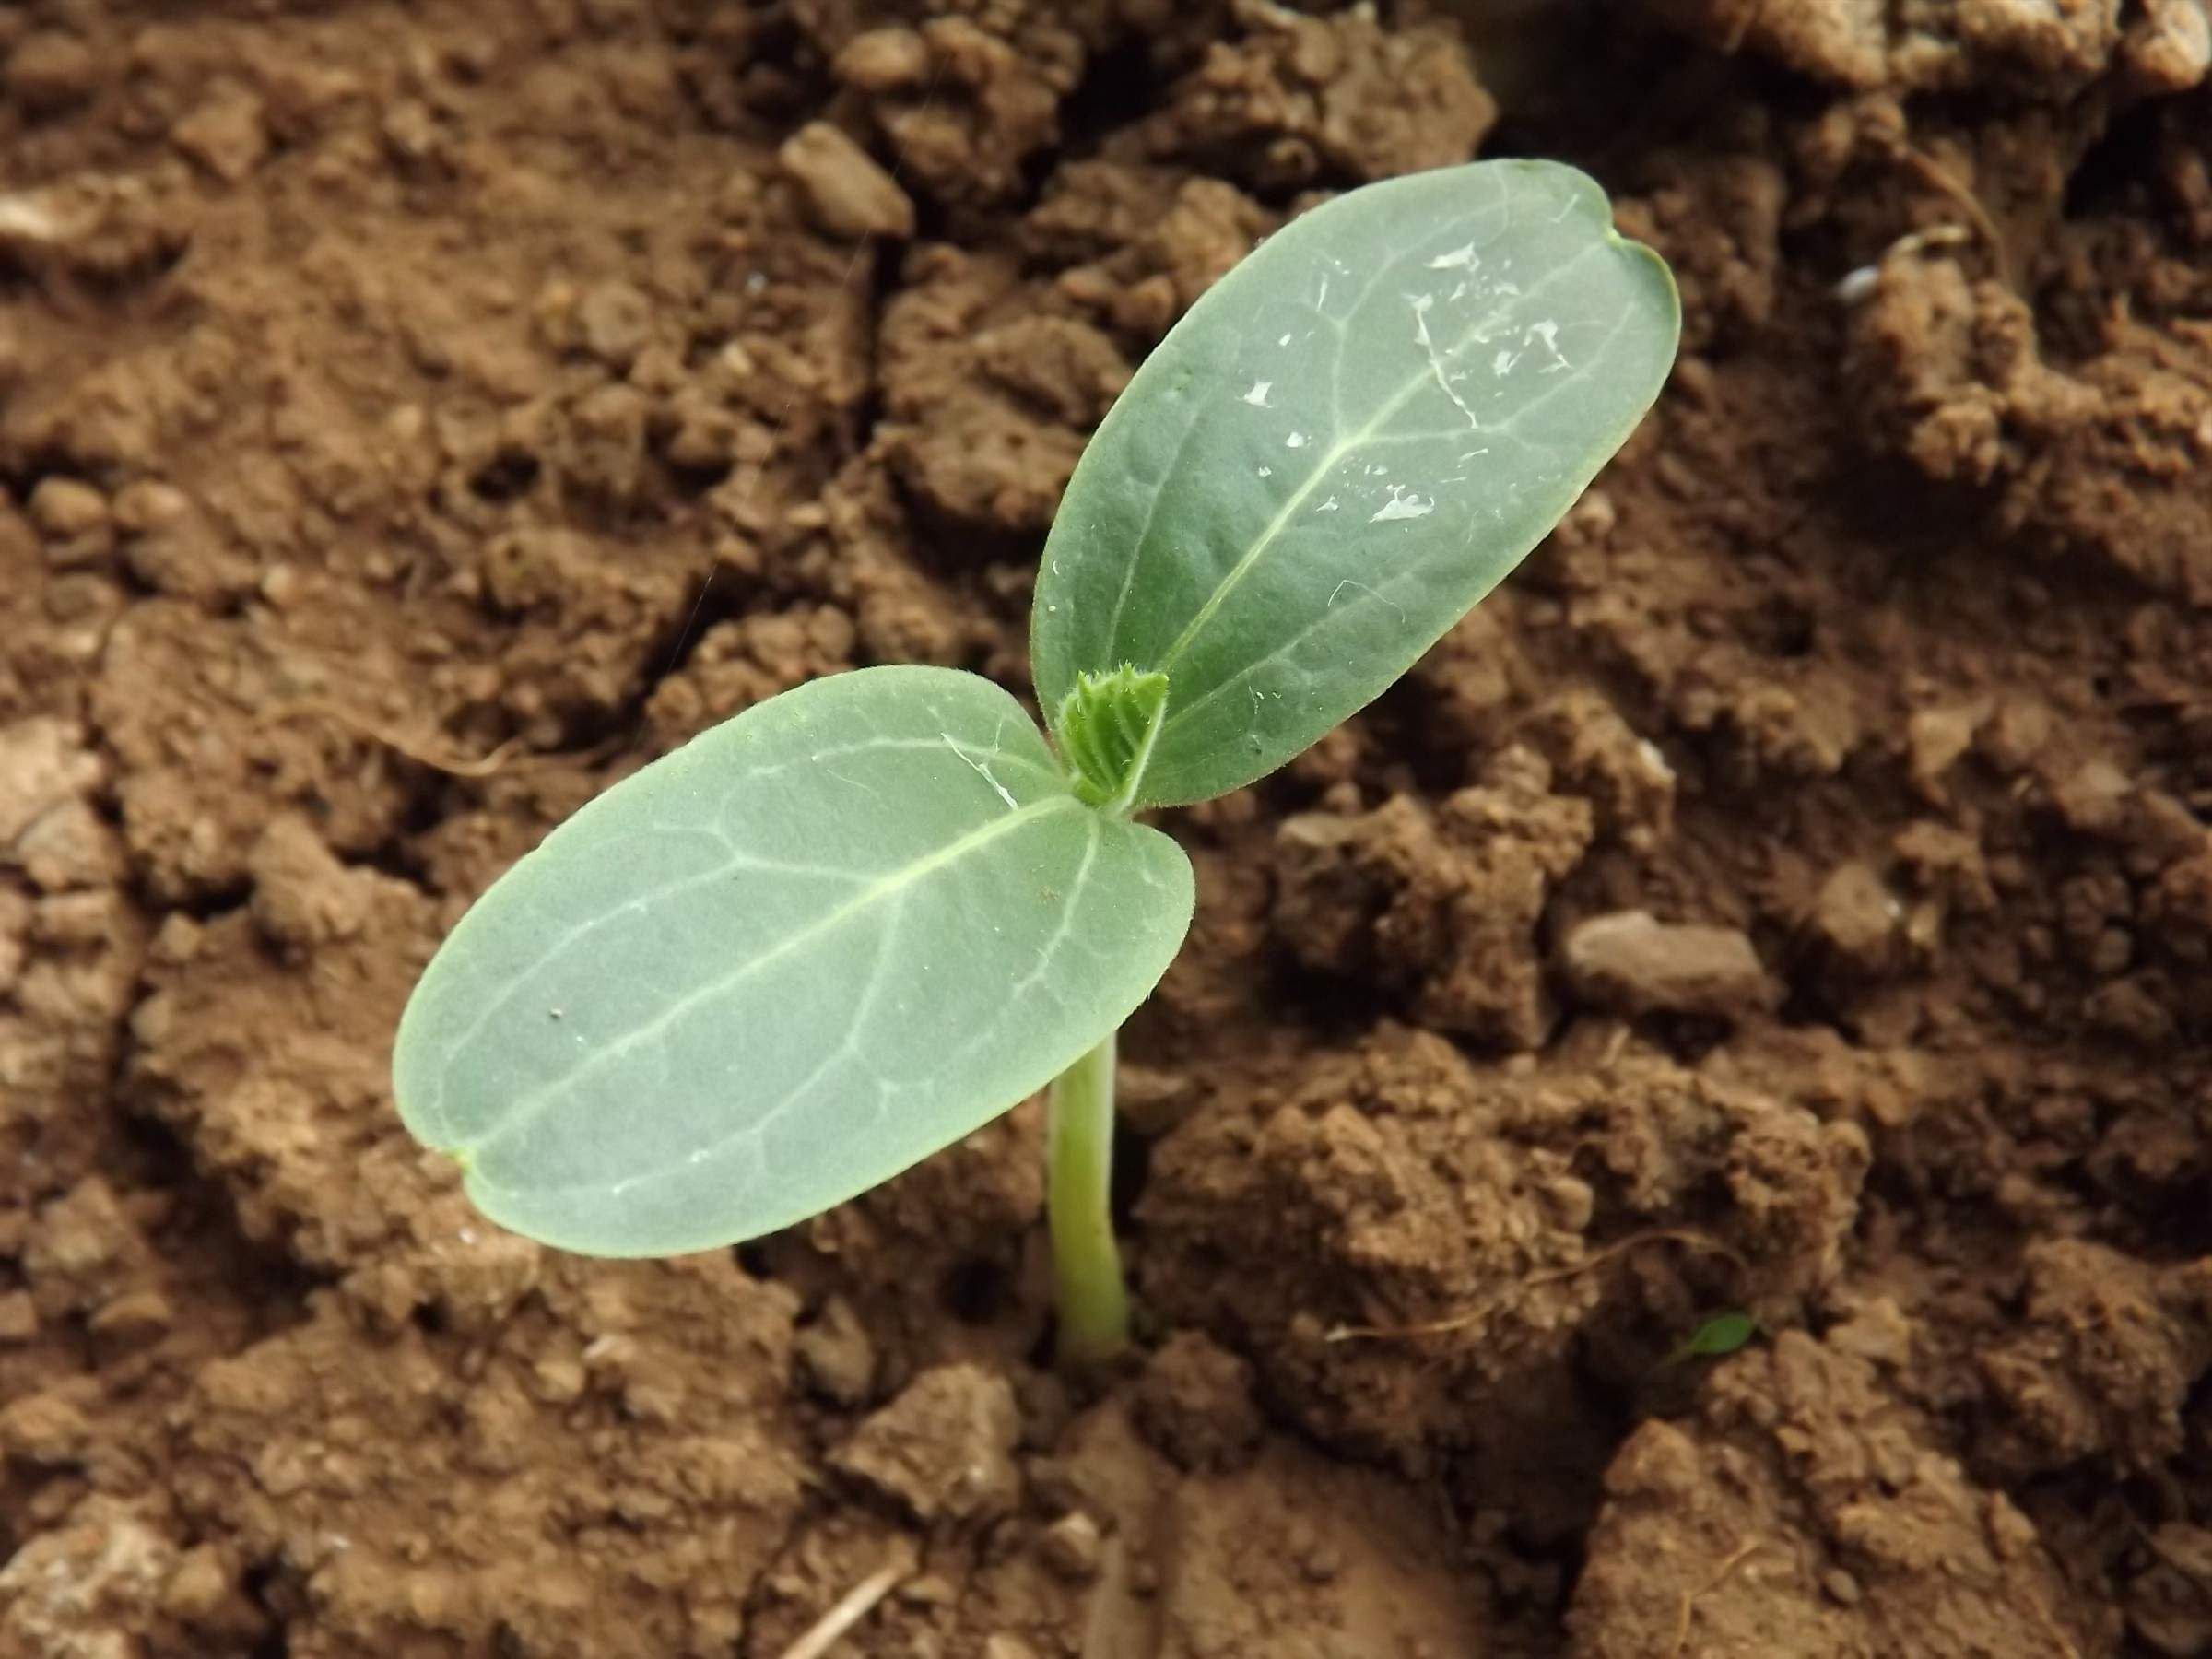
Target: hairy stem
[1094,1303]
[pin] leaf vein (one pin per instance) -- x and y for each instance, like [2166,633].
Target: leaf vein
[533,1106]
[1322,467]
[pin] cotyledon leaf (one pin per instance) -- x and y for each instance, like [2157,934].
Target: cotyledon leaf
[1348,442]
[781,964]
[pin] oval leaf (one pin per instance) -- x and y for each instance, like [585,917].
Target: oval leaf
[781,965]
[1347,443]
[1723,1334]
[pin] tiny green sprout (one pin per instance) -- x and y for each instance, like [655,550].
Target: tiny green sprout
[1723,1334]
[1107,726]
[847,927]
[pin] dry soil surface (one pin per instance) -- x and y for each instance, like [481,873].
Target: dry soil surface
[1792,893]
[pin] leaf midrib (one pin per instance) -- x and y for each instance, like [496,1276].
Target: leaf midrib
[1336,452]
[848,1050]
[1376,593]
[534,1105]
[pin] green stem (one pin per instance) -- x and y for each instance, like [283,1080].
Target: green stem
[1094,1303]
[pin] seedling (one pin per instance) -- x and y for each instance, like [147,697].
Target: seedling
[847,927]
[1721,1334]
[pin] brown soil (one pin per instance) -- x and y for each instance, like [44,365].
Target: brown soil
[1791,893]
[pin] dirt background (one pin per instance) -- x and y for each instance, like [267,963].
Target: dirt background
[1791,893]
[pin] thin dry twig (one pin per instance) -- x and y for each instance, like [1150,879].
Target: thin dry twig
[2148,1539]
[2052,1629]
[455,766]
[1690,1599]
[857,1605]
[1739,27]
[1460,1321]
[1932,172]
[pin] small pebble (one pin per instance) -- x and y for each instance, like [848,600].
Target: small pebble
[50,71]
[1072,1548]
[226,136]
[1322,1561]
[846,190]
[137,1316]
[1631,962]
[929,1590]
[835,1355]
[146,505]
[884,60]
[943,1449]
[198,1586]
[19,1317]
[614,321]
[44,1429]
[558,1380]
[1856,917]
[67,507]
